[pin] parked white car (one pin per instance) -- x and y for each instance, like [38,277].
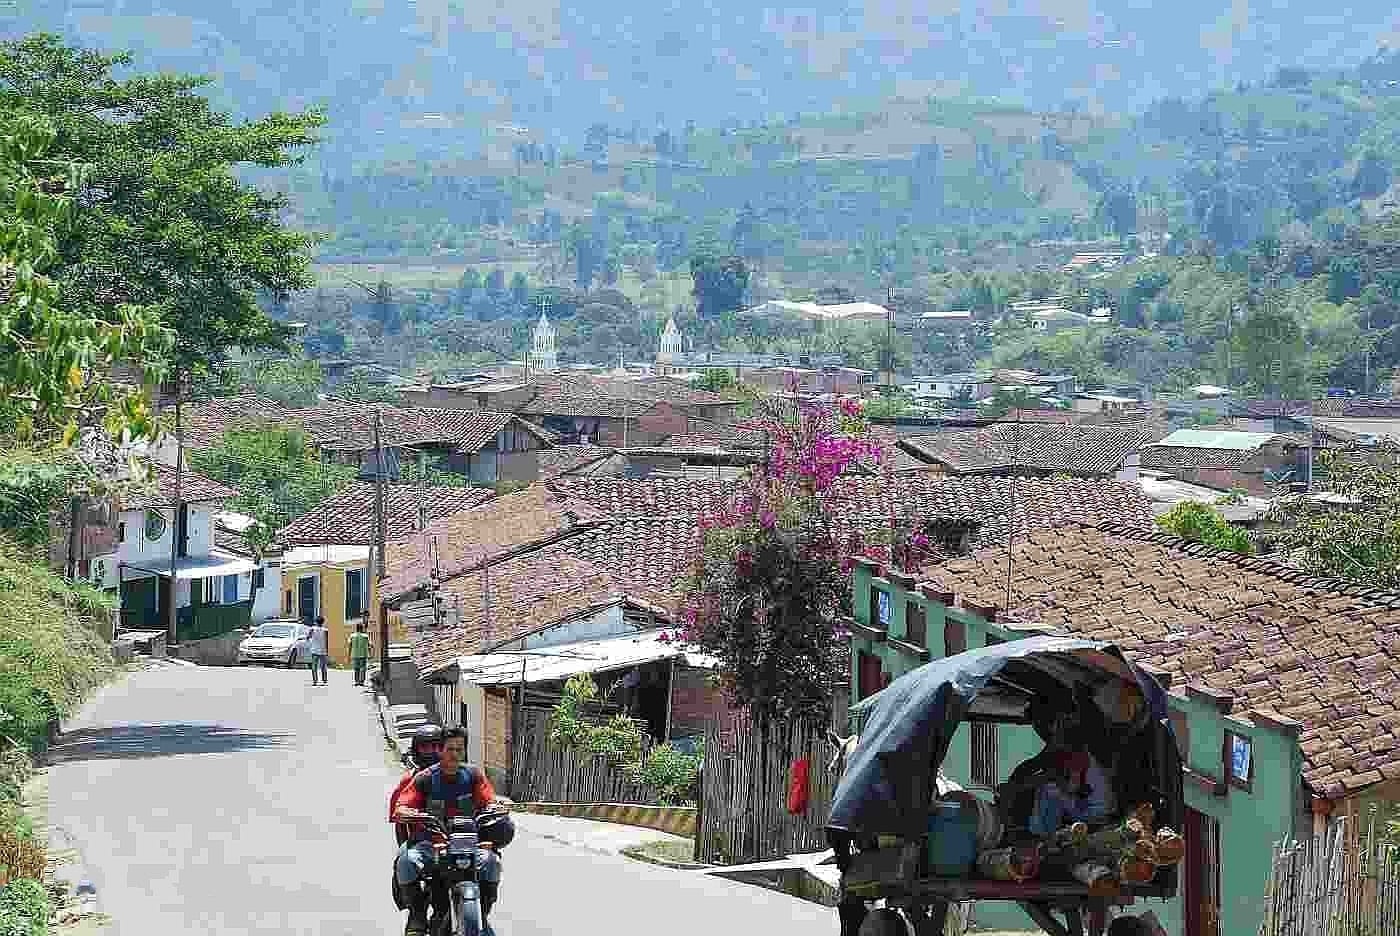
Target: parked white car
[275,642]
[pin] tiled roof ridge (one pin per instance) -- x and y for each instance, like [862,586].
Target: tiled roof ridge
[1260,564]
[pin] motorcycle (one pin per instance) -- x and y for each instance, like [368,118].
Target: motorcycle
[452,880]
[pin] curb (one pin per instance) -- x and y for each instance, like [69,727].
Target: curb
[676,820]
[636,853]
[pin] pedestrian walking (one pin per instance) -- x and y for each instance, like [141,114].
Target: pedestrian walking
[316,645]
[359,652]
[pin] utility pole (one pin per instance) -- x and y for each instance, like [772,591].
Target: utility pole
[380,536]
[171,620]
[889,337]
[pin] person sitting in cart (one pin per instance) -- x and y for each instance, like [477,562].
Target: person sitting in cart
[1064,783]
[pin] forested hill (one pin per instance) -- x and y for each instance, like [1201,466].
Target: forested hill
[421,75]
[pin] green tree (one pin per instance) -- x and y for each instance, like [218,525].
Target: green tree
[720,283]
[55,356]
[295,381]
[1201,523]
[716,380]
[358,388]
[520,290]
[1355,533]
[166,224]
[277,475]
[1269,347]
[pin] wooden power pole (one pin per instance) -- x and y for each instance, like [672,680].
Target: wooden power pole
[380,565]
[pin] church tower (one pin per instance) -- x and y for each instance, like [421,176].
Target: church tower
[544,358]
[671,341]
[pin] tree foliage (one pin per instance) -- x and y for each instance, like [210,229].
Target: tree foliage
[1354,532]
[1201,523]
[55,356]
[770,588]
[292,381]
[720,283]
[277,474]
[166,224]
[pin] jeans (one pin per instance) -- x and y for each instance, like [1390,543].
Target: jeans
[361,665]
[414,859]
[318,665]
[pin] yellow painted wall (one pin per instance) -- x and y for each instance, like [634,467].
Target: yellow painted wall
[332,590]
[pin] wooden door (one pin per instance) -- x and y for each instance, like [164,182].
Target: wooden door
[869,675]
[1202,875]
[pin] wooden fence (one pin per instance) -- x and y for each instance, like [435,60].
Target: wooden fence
[1344,882]
[545,772]
[744,792]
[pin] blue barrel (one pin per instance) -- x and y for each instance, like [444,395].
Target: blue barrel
[952,839]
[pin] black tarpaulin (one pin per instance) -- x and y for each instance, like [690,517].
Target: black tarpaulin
[909,725]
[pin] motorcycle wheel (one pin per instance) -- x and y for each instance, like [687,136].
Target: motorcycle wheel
[466,918]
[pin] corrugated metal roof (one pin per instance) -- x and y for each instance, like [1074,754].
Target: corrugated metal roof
[1217,439]
[503,668]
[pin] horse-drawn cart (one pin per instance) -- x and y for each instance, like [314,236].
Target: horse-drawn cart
[1071,873]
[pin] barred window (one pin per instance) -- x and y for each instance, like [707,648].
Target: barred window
[984,754]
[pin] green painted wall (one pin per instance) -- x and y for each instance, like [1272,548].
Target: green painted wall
[1250,821]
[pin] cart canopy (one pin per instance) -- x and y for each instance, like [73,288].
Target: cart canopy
[907,727]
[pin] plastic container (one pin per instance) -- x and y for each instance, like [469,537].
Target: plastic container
[952,838]
[989,826]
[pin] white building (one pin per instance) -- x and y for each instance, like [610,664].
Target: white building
[544,357]
[668,359]
[213,587]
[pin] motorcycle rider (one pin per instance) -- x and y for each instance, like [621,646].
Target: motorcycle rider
[449,788]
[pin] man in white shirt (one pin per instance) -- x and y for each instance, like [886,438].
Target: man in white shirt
[316,643]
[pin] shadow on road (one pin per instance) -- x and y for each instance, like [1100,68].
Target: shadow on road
[123,742]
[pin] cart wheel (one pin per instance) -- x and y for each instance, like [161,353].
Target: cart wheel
[884,922]
[1129,926]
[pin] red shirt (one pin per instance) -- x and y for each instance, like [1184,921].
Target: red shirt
[470,783]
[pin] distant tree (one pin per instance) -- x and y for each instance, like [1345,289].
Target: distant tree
[520,290]
[293,381]
[467,288]
[719,284]
[716,380]
[1372,175]
[277,474]
[595,146]
[359,389]
[384,310]
[1270,348]
[1201,523]
[745,237]
[496,283]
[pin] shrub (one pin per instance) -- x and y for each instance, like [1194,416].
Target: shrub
[1200,523]
[673,774]
[24,908]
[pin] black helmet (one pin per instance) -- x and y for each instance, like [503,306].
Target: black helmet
[426,737]
[496,828]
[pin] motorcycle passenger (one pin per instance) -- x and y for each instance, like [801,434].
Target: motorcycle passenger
[424,751]
[449,788]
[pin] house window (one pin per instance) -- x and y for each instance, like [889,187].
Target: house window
[915,624]
[287,603]
[354,593]
[230,589]
[954,638]
[884,608]
[984,754]
[121,531]
[259,578]
[155,525]
[1239,760]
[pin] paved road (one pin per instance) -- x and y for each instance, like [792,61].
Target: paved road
[229,801]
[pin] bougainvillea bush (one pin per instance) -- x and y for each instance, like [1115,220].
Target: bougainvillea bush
[770,589]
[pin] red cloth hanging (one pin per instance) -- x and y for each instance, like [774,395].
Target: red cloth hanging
[799,786]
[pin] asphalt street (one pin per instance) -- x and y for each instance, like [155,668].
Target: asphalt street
[227,801]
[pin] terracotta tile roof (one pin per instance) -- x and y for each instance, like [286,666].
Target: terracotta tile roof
[1073,449]
[656,553]
[986,502]
[1182,456]
[1317,651]
[339,426]
[206,421]
[487,533]
[586,404]
[347,517]
[527,594]
[159,491]
[1330,406]
[570,459]
[648,497]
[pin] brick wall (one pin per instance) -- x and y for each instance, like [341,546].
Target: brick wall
[496,736]
[696,703]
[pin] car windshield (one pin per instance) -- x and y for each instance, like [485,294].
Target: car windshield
[273,630]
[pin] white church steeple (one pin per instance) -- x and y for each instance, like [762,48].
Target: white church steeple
[670,342]
[544,358]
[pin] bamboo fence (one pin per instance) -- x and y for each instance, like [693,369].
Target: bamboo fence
[545,772]
[744,791]
[1343,882]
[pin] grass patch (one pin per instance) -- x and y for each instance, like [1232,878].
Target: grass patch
[663,851]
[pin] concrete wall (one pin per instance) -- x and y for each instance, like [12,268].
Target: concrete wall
[213,651]
[1250,820]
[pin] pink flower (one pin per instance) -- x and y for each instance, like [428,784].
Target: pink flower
[768,519]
